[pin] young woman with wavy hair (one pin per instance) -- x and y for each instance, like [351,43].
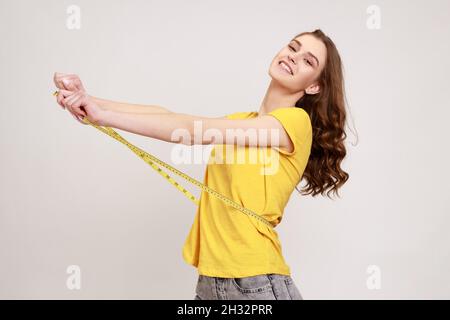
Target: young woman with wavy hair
[236,255]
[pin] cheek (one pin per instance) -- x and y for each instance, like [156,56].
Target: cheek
[304,75]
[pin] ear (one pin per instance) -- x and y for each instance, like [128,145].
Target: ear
[313,89]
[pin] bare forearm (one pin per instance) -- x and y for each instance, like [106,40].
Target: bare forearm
[129,107]
[160,126]
[190,129]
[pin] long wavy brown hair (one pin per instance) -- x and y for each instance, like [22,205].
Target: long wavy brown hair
[326,109]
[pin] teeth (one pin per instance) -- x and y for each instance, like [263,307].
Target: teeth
[286,67]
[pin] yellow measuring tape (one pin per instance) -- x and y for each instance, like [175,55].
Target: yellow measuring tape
[151,160]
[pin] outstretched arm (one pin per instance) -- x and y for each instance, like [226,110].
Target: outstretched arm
[190,129]
[160,123]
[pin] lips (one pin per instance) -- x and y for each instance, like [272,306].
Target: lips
[285,64]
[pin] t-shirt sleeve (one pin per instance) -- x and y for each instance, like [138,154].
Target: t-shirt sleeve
[232,115]
[297,124]
[239,115]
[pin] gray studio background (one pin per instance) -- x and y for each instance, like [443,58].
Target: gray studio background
[70,195]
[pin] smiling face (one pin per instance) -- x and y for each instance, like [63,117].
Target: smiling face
[298,65]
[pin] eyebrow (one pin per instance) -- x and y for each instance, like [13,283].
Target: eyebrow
[309,53]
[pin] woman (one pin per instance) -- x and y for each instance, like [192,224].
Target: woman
[237,256]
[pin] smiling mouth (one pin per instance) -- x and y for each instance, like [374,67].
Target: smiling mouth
[286,67]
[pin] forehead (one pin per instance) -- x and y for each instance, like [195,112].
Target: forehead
[313,45]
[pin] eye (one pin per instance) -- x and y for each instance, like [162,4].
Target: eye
[309,62]
[291,47]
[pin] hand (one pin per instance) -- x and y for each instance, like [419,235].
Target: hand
[82,105]
[70,82]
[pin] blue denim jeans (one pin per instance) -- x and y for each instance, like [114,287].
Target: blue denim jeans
[259,287]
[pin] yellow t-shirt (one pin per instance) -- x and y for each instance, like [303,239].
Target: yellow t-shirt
[225,242]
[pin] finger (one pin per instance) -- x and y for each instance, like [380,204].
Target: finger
[69,84]
[62,94]
[73,83]
[68,101]
[78,83]
[74,78]
[77,107]
[67,93]
[58,80]
[59,99]
[56,77]
[66,81]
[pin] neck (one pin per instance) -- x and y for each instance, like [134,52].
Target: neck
[278,97]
